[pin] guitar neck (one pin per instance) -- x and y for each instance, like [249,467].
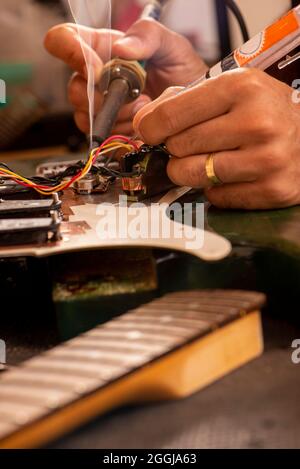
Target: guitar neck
[167,349]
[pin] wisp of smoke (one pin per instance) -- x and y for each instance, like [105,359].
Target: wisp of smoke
[91,14]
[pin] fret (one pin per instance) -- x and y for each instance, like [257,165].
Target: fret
[198,307]
[97,370]
[106,357]
[17,413]
[229,302]
[88,342]
[50,398]
[136,336]
[33,376]
[167,317]
[208,316]
[6,428]
[219,294]
[171,330]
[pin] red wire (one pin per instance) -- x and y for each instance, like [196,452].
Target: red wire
[112,138]
[121,138]
[31,186]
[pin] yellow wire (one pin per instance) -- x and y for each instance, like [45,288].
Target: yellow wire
[106,149]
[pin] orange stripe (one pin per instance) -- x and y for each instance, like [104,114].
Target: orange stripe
[272,35]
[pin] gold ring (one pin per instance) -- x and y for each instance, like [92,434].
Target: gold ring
[210,170]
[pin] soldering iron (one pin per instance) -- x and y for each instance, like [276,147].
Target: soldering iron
[122,82]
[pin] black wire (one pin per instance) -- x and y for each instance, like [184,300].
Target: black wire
[240,18]
[223,28]
[3,165]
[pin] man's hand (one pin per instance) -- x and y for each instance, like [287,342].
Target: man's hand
[249,120]
[172,60]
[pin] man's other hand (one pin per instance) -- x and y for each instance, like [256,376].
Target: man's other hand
[172,61]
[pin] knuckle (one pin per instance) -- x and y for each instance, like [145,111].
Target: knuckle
[226,79]
[249,82]
[75,90]
[172,146]
[268,159]
[182,173]
[264,126]
[173,173]
[215,197]
[274,158]
[267,126]
[192,174]
[145,26]
[166,117]
[72,58]
[282,191]
[177,146]
[197,175]
[277,194]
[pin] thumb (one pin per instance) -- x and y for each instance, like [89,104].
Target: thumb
[144,40]
[76,45]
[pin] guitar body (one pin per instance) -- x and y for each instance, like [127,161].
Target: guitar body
[102,281]
[72,290]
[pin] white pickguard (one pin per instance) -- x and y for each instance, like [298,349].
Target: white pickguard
[200,243]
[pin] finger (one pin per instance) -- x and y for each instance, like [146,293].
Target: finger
[229,167]
[129,111]
[270,191]
[123,128]
[243,196]
[78,97]
[82,121]
[205,101]
[236,196]
[224,133]
[148,108]
[72,43]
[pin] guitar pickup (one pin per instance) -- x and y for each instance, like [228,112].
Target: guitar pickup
[11,188]
[21,231]
[30,208]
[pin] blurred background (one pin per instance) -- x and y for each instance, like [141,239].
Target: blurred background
[37,113]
